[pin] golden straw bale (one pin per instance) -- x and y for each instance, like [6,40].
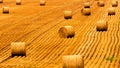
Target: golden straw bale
[73,61]
[87,5]
[100,3]
[86,11]
[101,25]
[18,49]
[111,11]
[66,32]
[5,9]
[42,2]
[68,14]
[114,3]
[18,2]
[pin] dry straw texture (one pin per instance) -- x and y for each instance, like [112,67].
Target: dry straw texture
[18,2]
[66,32]
[100,3]
[5,9]
[73,61]
[101,25]
[87,5]
[111,11]
[18,49]
[114,3]
[67,14]
[42,2]
[86,11]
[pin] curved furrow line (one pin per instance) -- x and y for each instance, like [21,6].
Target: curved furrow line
[91,21]
[102,55]
[115,30]
[95,53]
[26,34]
[89,60]
[31,16]
[74,44]
[111,44]
[101,52]
[107,50]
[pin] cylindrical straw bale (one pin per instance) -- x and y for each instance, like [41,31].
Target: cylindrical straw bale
[73,61]
[114,3]
[68,14]
[66,32]
[5,9]
[18,2]
[86,11]
[111,11]
[101,25]
[87,5]
[100,3]
[18,49]
[42,2]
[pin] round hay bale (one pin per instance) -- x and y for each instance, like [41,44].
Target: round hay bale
[67,14]
[5,9]
[86,11]
[66,32]
[111,11]
[114,3]
[18,49]
[73,61]
[100,3]
[42,2]
[1,1]
[87,5]
[18,2]
[102,25]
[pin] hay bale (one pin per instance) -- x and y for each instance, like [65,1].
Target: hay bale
[87,5]
[114,3]
[18,49]
[1,1]
[111,11]
[18,2]
[42,2]
[66,32]
[86,11]
[67,14]
[101,25]
[5,9]
[101,3]
[73,61]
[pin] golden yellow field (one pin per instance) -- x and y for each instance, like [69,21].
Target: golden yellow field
[38,27]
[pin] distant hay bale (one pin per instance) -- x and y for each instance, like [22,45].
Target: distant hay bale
[5,9]
[86,11]
[102,25]
[111,11]
[87,5]
[1,1]
[18,2]
[114,3]
[67,14]
[66,32]
[101,3]
[42,2]
[73,61]
[18,49]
